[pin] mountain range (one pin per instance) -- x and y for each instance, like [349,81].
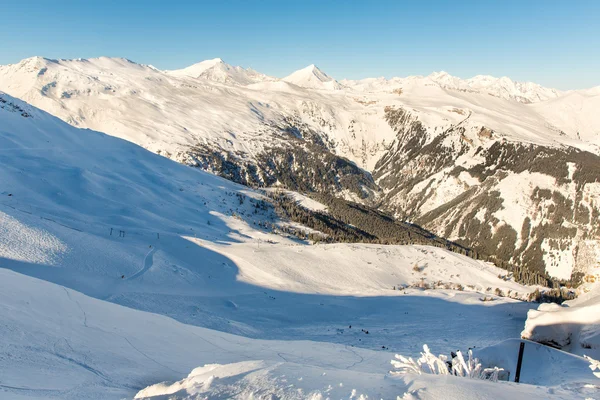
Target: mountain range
[509,169]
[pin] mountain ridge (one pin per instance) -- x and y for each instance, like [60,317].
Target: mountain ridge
[441,77]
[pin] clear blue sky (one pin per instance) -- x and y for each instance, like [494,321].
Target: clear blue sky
[555,43]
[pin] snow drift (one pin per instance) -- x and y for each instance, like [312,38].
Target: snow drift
[573,326]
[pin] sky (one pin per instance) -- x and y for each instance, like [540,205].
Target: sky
[554,43]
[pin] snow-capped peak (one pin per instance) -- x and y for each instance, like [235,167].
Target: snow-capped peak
[439,75]
[218,70]
[195,70]
[444,79]
[503,87]
[312,77]
[309,72]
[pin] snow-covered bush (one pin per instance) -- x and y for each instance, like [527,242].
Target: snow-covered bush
[441,365]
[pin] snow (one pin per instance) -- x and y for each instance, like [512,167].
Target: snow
[195,70]
[573,326]
[556,375]
[217,70]
[95,349]
[121,269]
[306,201]
[23,243]
[562,259]
[447,189]
[575,114]
[227,108]
[69,187]
[516,191]
[504,87]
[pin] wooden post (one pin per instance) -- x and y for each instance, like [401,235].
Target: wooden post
[519,362]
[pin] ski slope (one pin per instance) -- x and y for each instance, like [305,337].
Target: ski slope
[121,269]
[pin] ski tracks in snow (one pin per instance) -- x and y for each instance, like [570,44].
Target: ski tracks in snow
[84,364]
[148,262]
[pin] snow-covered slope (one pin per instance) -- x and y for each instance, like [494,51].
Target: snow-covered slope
[575,113]
[556,374]
[93,214]
[470,147]
[313,78]
[55,174]
[60,344]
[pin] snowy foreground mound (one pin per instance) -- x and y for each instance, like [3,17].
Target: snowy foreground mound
[555,375]
[115,262]
[93,349]
[573,326]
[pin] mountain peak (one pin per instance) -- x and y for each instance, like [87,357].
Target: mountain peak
[312,77]
[439,74]
[195,70]
[217,70]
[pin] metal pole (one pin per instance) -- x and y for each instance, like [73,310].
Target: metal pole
[519,362]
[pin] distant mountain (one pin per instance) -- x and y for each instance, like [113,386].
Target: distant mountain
[313,78]
[504,88]
[523,92]
[219,71]
[195,70]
